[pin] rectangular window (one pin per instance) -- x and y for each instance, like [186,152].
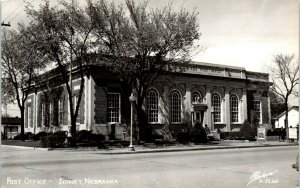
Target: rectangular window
[61,111]
[113,107]
[257,111]
[51,113]
[234,108]
[216,107]
[29,123]
[75,99]
[234,116]
[43,115]
[152,106]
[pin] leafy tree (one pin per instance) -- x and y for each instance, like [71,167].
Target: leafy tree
[63,34]
[7,91]
[285,77]
[20,66]
[143,43]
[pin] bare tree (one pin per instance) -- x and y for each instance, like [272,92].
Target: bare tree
[285,78]
[143,43]
[277,104]
[20,66]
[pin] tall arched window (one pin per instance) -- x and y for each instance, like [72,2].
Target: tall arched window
[234,108]
[152,106]
[216,104]
[196,98]
[175,107]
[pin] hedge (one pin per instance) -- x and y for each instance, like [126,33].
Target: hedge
[56,140]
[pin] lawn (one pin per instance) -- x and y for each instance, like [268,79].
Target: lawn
[28,143]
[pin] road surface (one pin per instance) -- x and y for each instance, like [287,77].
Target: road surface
[234,168]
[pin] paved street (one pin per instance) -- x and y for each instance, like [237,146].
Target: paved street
[267,167]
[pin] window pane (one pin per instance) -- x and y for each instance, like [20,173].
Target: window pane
[74,106]
[29,117]
[216,104]
[175,107]
[113,107]
[50,113]
[256,116]
[234,108]
[152,106]
[43,114]
[61,111]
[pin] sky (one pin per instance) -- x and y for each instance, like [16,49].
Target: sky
[245,33]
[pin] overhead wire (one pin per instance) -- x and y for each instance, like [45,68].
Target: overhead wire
[6,18]
[5,3]
[19,12]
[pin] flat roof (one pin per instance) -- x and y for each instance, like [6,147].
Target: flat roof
[217,65]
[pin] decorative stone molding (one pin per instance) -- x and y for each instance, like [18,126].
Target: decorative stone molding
[237,91]
[219,90]
[199,88]
[159,86]
[179,87]
[258,94]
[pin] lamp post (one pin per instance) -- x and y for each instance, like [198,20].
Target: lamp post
[132,99]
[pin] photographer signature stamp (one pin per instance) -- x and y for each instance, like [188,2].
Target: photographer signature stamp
[263,177]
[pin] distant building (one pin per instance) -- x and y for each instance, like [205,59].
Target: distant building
[293,118]
[11,126]
[217,95]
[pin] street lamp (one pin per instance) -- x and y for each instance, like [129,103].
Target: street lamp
[132,99]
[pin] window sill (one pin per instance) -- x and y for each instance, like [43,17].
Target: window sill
[218,123]
[155,123]
[112,123]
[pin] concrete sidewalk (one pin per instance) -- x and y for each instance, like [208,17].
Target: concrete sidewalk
[224,144]
[193,147]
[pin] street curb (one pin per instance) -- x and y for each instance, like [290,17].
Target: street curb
[26,147]
[148,151]
[190,149]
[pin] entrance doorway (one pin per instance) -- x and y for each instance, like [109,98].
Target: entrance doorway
[198,113]
[198,117]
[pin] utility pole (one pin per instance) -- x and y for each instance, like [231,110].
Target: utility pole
[5,130]
[72,110]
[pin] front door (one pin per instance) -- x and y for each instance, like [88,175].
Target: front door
[197,116]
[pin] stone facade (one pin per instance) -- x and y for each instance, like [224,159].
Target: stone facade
[222,97]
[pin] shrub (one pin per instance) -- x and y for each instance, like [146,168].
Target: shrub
[183,137]
[198,134]
[56,140]
[39,135]
[83,136]
[146,133]
[246,131]
[98,138]
[87,138]
[27,135]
